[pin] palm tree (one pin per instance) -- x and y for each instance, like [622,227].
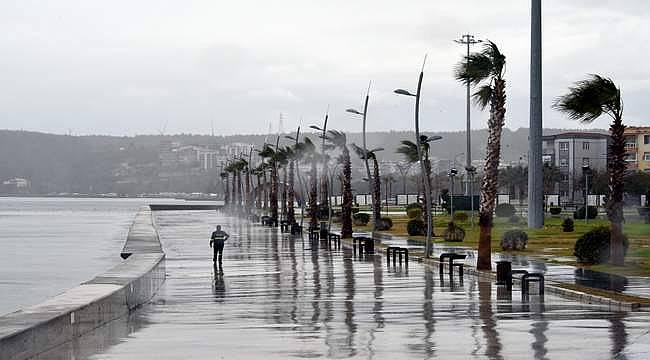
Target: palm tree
[375,180]
[485,69]
[226,192]
[410,151]
[291,157]
[586,101]
[309,155]
[273,157]
[338,140]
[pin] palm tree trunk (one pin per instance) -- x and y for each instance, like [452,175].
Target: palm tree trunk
[313,196]
[291,195]
[284,193]
[490,178]
[346,206]
[376,192]
[265,187]
[324,191]
[616,167]
[274,193]
[258,192]
[226,194]
[249,196]
[239,192]
[427,197]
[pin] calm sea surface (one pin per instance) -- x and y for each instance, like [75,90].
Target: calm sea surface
[48,245]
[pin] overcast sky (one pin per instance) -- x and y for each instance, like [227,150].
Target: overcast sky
[130,67]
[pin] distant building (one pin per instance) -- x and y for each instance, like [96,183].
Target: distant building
[571,151]
[16,186]
[637,144]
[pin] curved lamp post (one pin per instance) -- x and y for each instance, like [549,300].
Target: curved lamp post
[427,186]
[365,148]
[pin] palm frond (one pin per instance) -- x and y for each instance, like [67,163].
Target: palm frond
[588,99]
[409,150]
[483,96]
[473,69]
[498,60]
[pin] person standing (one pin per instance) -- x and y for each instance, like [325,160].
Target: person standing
[217,241]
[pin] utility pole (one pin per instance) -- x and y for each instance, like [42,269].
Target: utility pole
[468,40]
[535,164]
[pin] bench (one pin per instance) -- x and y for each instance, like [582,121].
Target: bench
[265,220]
[526,279]
[335,238]
[451,257]
[397,251]
[296,229]
[284,226]
[314,233]
[365,243]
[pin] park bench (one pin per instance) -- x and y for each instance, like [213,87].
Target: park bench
[505,275]
[397,251]
[334,237]
[366,244]
[284,226]
[450,257]
[265,220]
[314,233]
[296,229]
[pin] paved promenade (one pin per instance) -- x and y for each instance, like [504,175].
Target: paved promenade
[280,298]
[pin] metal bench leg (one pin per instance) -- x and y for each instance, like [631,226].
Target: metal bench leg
[406,257]
[400,258]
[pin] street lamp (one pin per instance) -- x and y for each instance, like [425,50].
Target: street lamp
[468,40]
[452,173]
[586,171]
[471,170]
[365,148]
[427,186]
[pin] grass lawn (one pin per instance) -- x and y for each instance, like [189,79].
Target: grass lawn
[549,243]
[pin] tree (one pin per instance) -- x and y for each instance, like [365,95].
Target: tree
[586,101]
[552,176]
[376,180]
[274,157]
[515,178]
[338,139]
[485,69]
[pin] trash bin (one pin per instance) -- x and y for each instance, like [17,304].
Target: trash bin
[504,273]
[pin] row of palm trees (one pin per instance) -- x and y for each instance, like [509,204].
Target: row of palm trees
[484,71]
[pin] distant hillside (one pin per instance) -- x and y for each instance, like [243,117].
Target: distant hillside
[63,163]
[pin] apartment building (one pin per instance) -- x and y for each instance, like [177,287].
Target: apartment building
[637,144]
[571,151]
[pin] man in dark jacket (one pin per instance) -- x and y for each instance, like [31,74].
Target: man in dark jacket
[217,241]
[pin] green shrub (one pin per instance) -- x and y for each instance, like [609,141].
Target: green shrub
[416,227]
[460,216]
[453,232]
[567,225]
[555,210]
[514,219]
[592,212]
[593,246]
[514,240]
[505,210]
[414,213]
[384,224]
[360,219]
[411,210]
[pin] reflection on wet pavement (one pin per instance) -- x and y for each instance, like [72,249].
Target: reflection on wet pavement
[280,298]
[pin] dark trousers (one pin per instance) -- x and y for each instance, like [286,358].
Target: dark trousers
[217,252]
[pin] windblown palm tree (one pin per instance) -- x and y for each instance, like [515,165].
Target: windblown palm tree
[226,191]
[586,101]
[291,156]
[274,158]
[310,156]
[410,151]
[485,69]
[376,180]
[338,140]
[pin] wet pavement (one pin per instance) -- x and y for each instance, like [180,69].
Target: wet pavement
[281,298]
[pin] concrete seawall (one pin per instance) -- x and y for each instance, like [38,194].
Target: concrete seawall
[111,295]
